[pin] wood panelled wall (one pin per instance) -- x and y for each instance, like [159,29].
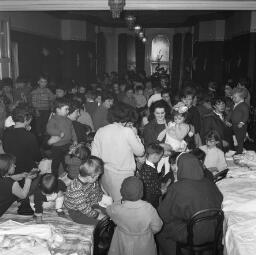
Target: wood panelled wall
[66,59]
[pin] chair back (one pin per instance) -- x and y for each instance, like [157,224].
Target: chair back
[205,230]
[102,236]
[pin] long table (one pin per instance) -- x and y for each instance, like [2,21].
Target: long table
[239,206]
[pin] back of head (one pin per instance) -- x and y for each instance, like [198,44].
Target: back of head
[121,112]
[48,183]
[131,189]
[154,148]
[91,167]
[6,160]
[189,167]
[21,113]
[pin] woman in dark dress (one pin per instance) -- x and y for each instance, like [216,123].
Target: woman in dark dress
[21,143]
[158,119]
[191,193]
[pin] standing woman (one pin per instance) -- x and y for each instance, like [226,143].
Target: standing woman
[158,119]
[116,144]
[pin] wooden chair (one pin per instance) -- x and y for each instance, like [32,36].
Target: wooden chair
[212,219]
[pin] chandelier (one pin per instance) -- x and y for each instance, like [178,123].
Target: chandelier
[130,21]
[116,7]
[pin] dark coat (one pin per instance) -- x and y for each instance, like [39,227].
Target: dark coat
[190,194]
[240,113]
[213,122]
[151,132]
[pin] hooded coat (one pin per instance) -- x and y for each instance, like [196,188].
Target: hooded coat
[190,194]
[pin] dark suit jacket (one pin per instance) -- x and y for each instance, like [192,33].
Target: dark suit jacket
[240,113]
[213,122]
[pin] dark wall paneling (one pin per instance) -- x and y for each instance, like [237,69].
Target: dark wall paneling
[65,59]
[187,55]
[140,55]
[122,54]
[177,47]
[208,62]
[101,53]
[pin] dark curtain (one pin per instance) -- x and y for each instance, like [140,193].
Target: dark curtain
[101,53]
[122,54]
[175,75]
[140,55]
[187,56]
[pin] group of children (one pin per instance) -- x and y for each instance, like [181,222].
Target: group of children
[82,195]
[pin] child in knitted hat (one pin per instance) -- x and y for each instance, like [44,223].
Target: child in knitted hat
[137,221]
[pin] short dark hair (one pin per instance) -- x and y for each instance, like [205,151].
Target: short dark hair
[165,91]
[93,165]
[6,160]
[21,113]
[154,148]
[212,135]
[60,102]
[106,96]
[74,105]
[121,112]
[217,100]
[48,183]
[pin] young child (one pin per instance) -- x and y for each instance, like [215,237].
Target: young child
[85,192]
[137,221]
[77,154]
[239,117]
[48,188]
[59,125]
[149,175]
[42,99]
[215,159]
[10,189]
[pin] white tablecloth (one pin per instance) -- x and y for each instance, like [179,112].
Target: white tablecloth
[239,206]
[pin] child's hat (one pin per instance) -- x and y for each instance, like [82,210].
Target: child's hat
[132,189]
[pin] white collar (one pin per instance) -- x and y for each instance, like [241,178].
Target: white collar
[219,114]
[150,163]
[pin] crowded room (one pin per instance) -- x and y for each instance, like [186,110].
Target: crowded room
[127,127]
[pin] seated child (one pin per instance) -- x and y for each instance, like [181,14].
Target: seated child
[85,192]
[215,159]
[48,188]
[149,175]
[10,189]
[137,221]
[77,154]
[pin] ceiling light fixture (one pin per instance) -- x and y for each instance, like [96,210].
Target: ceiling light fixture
[144,40]
[116,7]
[137,28]
[130,21]
[141,34]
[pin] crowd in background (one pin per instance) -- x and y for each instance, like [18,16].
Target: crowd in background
[133,138]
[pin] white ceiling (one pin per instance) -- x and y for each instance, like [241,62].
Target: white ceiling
[36,5]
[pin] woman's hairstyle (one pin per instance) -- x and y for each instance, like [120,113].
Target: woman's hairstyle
[159,104]
[121,112]
[6,160]
[81,151]
[21,113]
[60,102]
[154,148]
[91,167]
[241,91]
[200,154]
[48,183]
